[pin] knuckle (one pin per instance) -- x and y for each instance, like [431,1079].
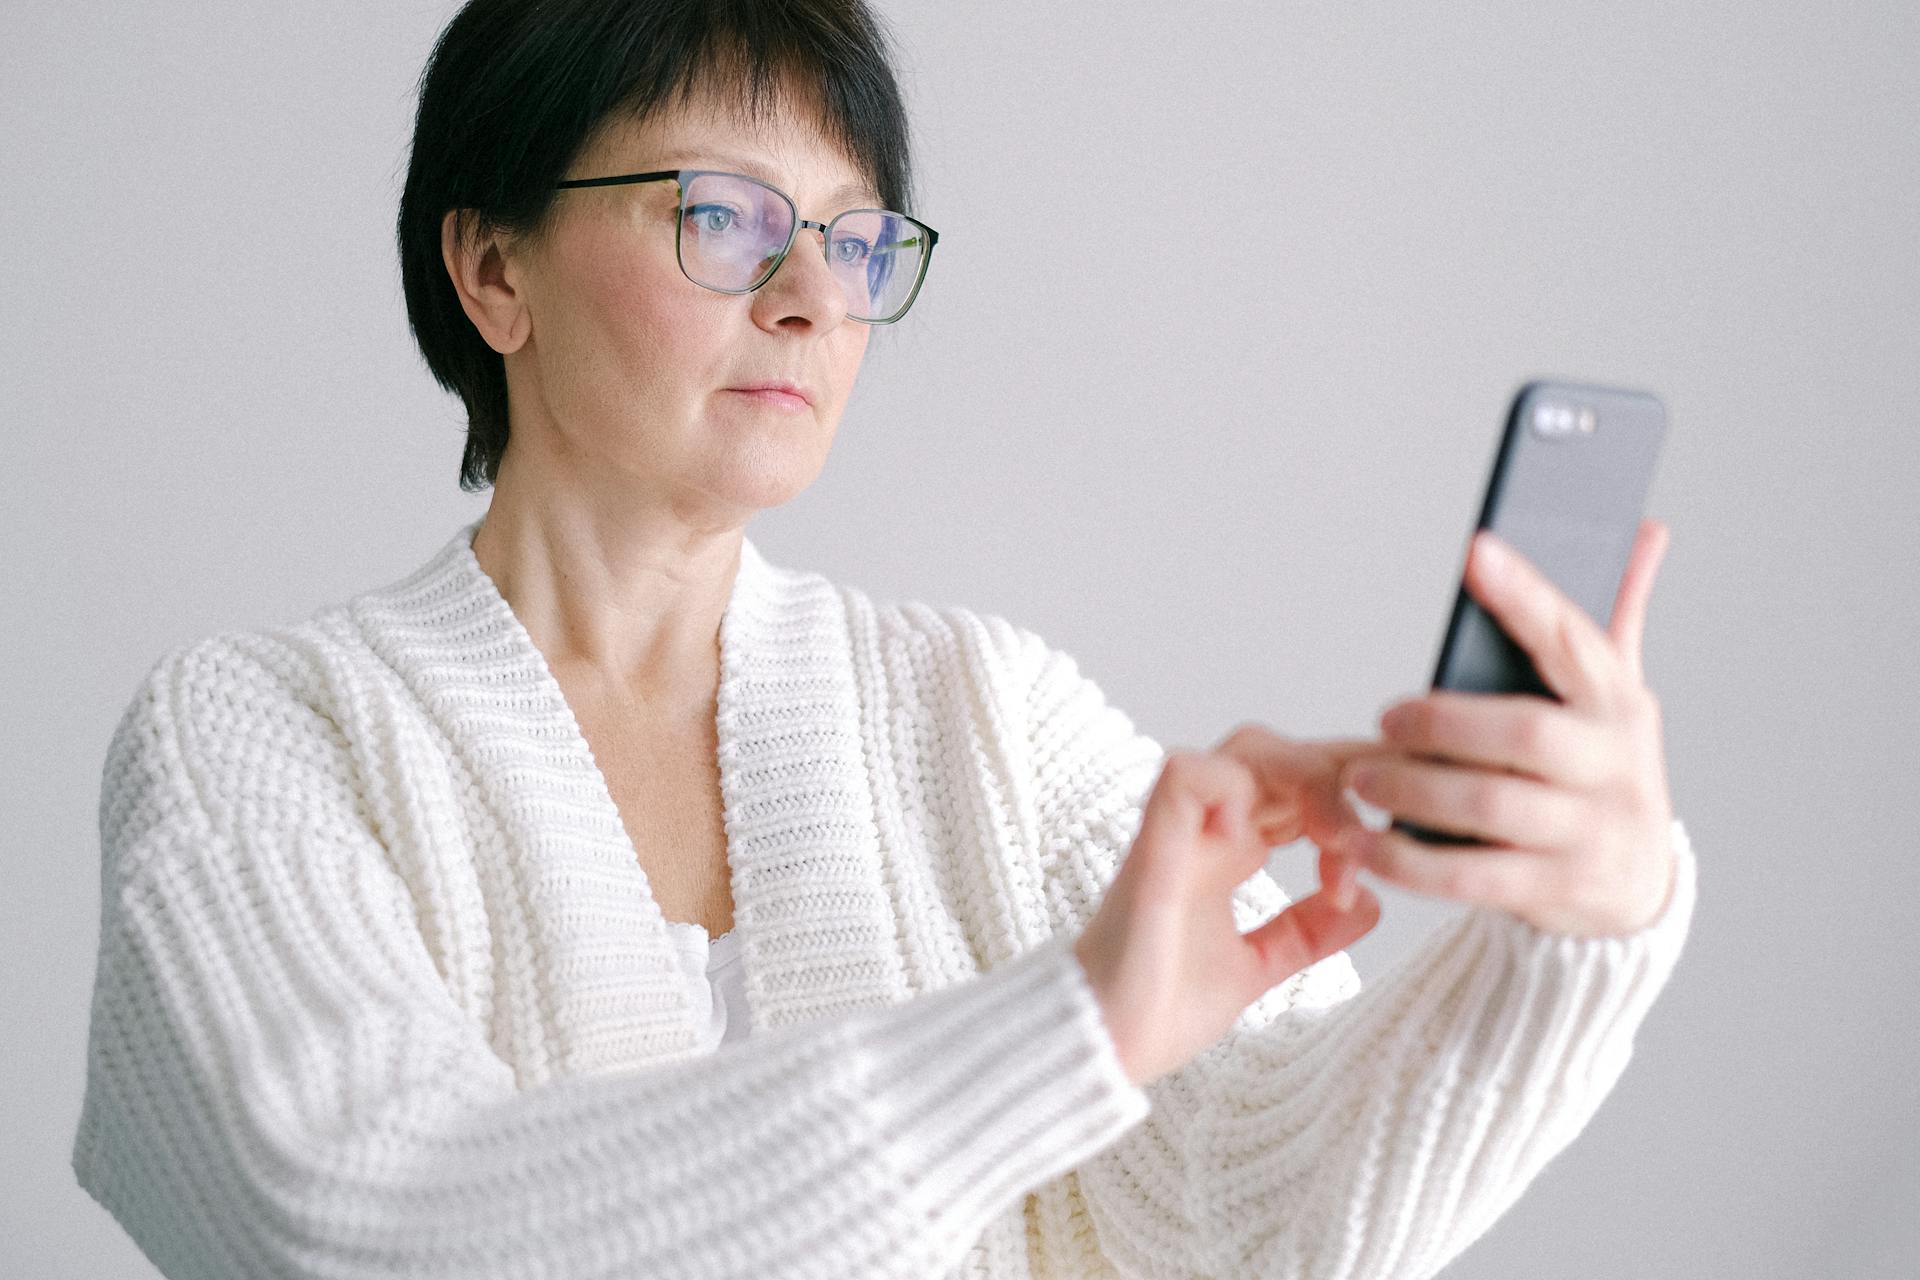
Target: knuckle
[1566,634]
[1499,889]
[1584,897]
[1245,734]
[1182,764]
[1637,715]
[1388,860]
[1486,804]
[1645,794]
[1419,719]
[1563,825]
[1533,736]
[1456,878]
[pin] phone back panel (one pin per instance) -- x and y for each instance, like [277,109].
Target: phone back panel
[1567,491]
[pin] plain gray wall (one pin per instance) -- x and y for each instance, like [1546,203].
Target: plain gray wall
[1224,443]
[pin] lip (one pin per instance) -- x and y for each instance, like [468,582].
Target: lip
[789,394]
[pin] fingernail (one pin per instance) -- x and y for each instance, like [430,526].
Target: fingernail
[1493,553]
[1371,817]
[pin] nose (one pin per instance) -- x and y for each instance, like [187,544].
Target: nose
[803,288]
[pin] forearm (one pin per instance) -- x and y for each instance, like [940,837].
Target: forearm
[279,1086]
[1381,1135]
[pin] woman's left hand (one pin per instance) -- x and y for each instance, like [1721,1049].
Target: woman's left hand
[1570,798]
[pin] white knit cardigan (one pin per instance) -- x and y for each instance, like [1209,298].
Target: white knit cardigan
[382,989]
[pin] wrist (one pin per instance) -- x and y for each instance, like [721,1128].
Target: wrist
[1095,975]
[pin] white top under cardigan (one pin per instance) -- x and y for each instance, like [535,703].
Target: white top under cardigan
[715,982]
[382,989]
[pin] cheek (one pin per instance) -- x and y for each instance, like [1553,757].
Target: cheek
[637,313]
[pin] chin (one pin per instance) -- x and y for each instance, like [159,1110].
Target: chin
[763,472]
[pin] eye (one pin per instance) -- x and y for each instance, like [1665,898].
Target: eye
[851,250]
[712,218]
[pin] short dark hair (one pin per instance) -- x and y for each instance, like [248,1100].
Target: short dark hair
[515,89]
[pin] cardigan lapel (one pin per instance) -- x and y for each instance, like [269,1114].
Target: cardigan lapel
[816,926]
[809,869]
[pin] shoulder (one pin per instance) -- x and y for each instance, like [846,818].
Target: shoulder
[231,677]
[1016,695]
[223,723]
[1011,663]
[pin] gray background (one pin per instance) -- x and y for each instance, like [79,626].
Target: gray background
[1224,444]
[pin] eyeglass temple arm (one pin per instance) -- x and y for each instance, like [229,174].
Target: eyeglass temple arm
[620,178]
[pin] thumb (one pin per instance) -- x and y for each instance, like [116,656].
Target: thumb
[1309,931]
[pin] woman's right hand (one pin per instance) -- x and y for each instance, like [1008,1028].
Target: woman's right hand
[1163,953]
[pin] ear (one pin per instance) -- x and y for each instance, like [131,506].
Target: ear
[486,287]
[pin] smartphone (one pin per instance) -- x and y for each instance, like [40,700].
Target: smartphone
[1568,488]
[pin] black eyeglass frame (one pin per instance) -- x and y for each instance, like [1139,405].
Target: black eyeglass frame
[682,177]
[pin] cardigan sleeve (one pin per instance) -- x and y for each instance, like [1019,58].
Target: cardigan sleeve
[280,1084]
[1334,1131]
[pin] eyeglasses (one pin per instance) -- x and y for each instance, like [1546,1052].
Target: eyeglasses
[732,233]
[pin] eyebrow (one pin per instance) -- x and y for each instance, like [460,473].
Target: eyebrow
[753,169]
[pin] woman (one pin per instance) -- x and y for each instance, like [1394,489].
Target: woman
[601,899]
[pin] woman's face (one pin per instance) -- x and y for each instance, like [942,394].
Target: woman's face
[624,379]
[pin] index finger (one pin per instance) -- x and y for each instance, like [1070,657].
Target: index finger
[1630,606]
[1573,656]
[1298,782]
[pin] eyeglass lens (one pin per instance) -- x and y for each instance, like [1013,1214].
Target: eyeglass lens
[732,228]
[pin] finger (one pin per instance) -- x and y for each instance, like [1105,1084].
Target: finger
[1495,877]
[1499,808]
[1201,795]
[1192,786]
[1298,782]
[1310,930]
[1574,657]
[1275,810]
[1519,732]
[1630,606]
[1340,878]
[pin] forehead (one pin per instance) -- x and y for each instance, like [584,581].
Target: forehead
[789,145]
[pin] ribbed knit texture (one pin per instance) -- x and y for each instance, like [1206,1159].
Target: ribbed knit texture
[383,991]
